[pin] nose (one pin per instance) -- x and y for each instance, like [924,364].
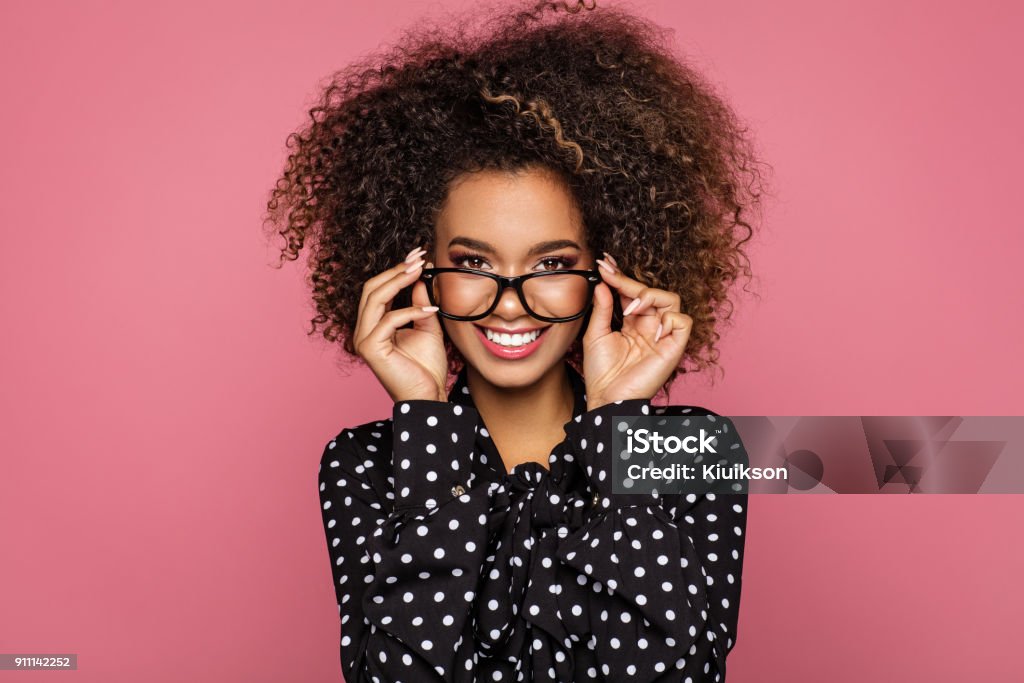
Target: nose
[509,306]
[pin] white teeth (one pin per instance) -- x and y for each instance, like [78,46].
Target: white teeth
[512,339]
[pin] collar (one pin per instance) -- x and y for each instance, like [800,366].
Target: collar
[460,395]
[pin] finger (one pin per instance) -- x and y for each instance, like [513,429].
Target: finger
[377,301]
[415,254]
[419,294]
[641,318]
[431,323]
[619,280]
[601,316]
[610,268]
[633,289]
[380,338]
[654,301]
[385,275]
[640,305]
[674,330]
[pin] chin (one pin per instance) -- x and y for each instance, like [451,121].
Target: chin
[512,375]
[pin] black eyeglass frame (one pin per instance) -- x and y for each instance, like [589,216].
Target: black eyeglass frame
[593,277]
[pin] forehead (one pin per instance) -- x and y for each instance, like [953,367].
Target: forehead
[509,210]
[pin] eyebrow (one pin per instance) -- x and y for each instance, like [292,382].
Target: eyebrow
[539,248]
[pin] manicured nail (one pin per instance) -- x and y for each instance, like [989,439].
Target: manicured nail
[412,255]
[657,335]
[631,307]
[611,259]
[431,309]
[414,266]
[604,266]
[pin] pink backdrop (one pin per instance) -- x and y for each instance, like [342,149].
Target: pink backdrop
[164,413]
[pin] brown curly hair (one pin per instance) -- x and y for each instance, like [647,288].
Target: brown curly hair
[662,170]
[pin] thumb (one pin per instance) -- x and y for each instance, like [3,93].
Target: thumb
[431,323]
[601,316]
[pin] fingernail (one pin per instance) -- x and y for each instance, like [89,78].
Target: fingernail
[414,266]
[412,255]
[631,307]
[431,309]
[657,335]
[611,259]
[604,266]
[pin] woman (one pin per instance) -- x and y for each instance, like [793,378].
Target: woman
[458,191]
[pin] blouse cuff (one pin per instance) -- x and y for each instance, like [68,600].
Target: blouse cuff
[432,452]
[590,440]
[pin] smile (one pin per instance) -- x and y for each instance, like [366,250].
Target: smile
[516,344]
[506,339]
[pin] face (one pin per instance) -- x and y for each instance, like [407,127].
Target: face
[512,224]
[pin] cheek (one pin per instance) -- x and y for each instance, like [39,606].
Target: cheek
[457,331]
[566,332]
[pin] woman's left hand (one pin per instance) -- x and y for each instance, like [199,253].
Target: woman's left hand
[637,360]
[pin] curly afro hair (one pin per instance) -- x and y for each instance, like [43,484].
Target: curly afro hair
[663,171]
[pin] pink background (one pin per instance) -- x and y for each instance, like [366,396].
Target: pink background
[164,412]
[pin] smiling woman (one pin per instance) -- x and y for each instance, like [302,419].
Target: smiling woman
[548,212]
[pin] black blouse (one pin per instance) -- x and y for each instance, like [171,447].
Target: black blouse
[447,567]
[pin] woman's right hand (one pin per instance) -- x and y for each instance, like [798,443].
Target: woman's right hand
[410,363]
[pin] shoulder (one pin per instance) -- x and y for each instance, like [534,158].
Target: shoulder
[356,448]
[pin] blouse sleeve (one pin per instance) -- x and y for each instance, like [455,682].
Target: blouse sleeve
[403,590]
[665,569]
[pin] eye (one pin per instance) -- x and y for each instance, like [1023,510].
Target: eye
[472,261]
[557,263]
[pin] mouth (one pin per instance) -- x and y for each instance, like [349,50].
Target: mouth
[511,344]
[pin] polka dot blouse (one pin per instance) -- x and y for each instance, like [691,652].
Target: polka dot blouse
[449,568]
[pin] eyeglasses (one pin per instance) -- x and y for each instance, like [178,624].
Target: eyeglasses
[554,296]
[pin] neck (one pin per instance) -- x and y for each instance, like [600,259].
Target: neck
[517,415]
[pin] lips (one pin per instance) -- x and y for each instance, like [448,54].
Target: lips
[511,344]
